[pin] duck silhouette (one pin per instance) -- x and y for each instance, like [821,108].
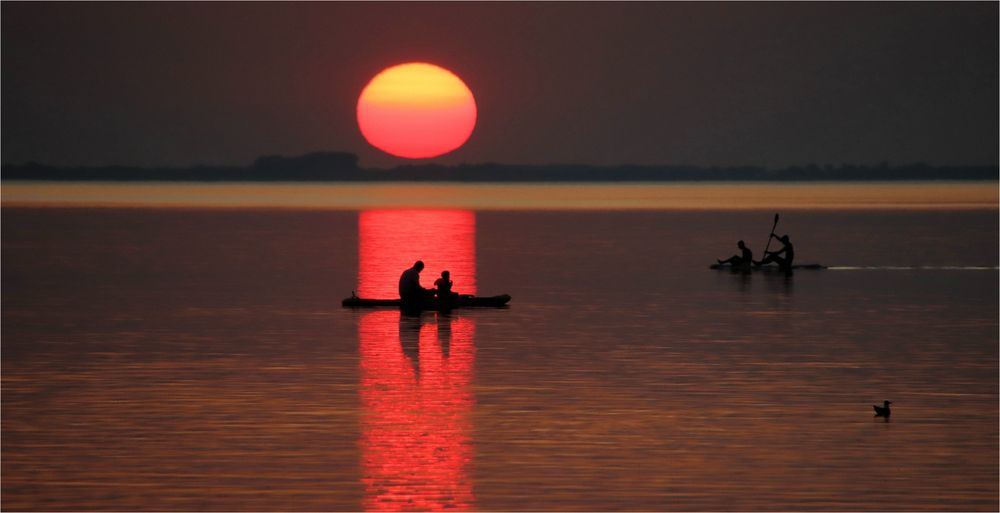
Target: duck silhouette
[882,411]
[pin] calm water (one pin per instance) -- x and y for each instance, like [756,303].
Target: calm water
[192,359]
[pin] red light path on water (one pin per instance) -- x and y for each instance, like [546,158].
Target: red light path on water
[416,447]
[416,372]
[390,241]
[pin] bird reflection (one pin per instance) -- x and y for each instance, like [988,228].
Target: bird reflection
[415,391]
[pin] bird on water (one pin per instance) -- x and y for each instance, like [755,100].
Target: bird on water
[882,411]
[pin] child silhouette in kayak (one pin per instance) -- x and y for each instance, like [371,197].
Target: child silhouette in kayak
[443,286]
[743,259]
[784,262]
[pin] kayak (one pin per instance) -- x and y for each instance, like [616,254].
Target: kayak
[745,268]
[463,301]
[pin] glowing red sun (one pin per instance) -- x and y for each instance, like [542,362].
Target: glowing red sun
[416,110]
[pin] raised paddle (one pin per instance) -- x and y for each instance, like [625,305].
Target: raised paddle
[768,245]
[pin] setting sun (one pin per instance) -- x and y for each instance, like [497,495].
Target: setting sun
[416,110]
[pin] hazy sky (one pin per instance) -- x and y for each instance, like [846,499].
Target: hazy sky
[770,84]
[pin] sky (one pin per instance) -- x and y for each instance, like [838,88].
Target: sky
[709,84]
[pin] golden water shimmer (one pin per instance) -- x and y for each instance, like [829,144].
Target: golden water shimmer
[496,196]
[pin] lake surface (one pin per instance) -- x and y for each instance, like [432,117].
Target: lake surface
[161,358]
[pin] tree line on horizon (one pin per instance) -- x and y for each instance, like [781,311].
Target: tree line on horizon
[343,167]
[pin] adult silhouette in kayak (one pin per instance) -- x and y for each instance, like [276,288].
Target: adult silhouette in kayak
[409,284]
[743,259]
[784,262]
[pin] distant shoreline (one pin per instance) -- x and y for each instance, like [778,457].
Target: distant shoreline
[339,167]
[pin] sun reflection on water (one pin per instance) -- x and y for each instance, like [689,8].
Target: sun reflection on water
[415,391]
[390,241]
[416,371]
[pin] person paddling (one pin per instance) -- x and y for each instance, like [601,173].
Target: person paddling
[743,259]
[784,262]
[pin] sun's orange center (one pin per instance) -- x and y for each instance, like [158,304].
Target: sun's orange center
[416,110]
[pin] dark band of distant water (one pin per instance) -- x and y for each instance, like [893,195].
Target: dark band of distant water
[912,268]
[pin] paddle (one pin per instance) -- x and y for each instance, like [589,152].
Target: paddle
[768,245]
